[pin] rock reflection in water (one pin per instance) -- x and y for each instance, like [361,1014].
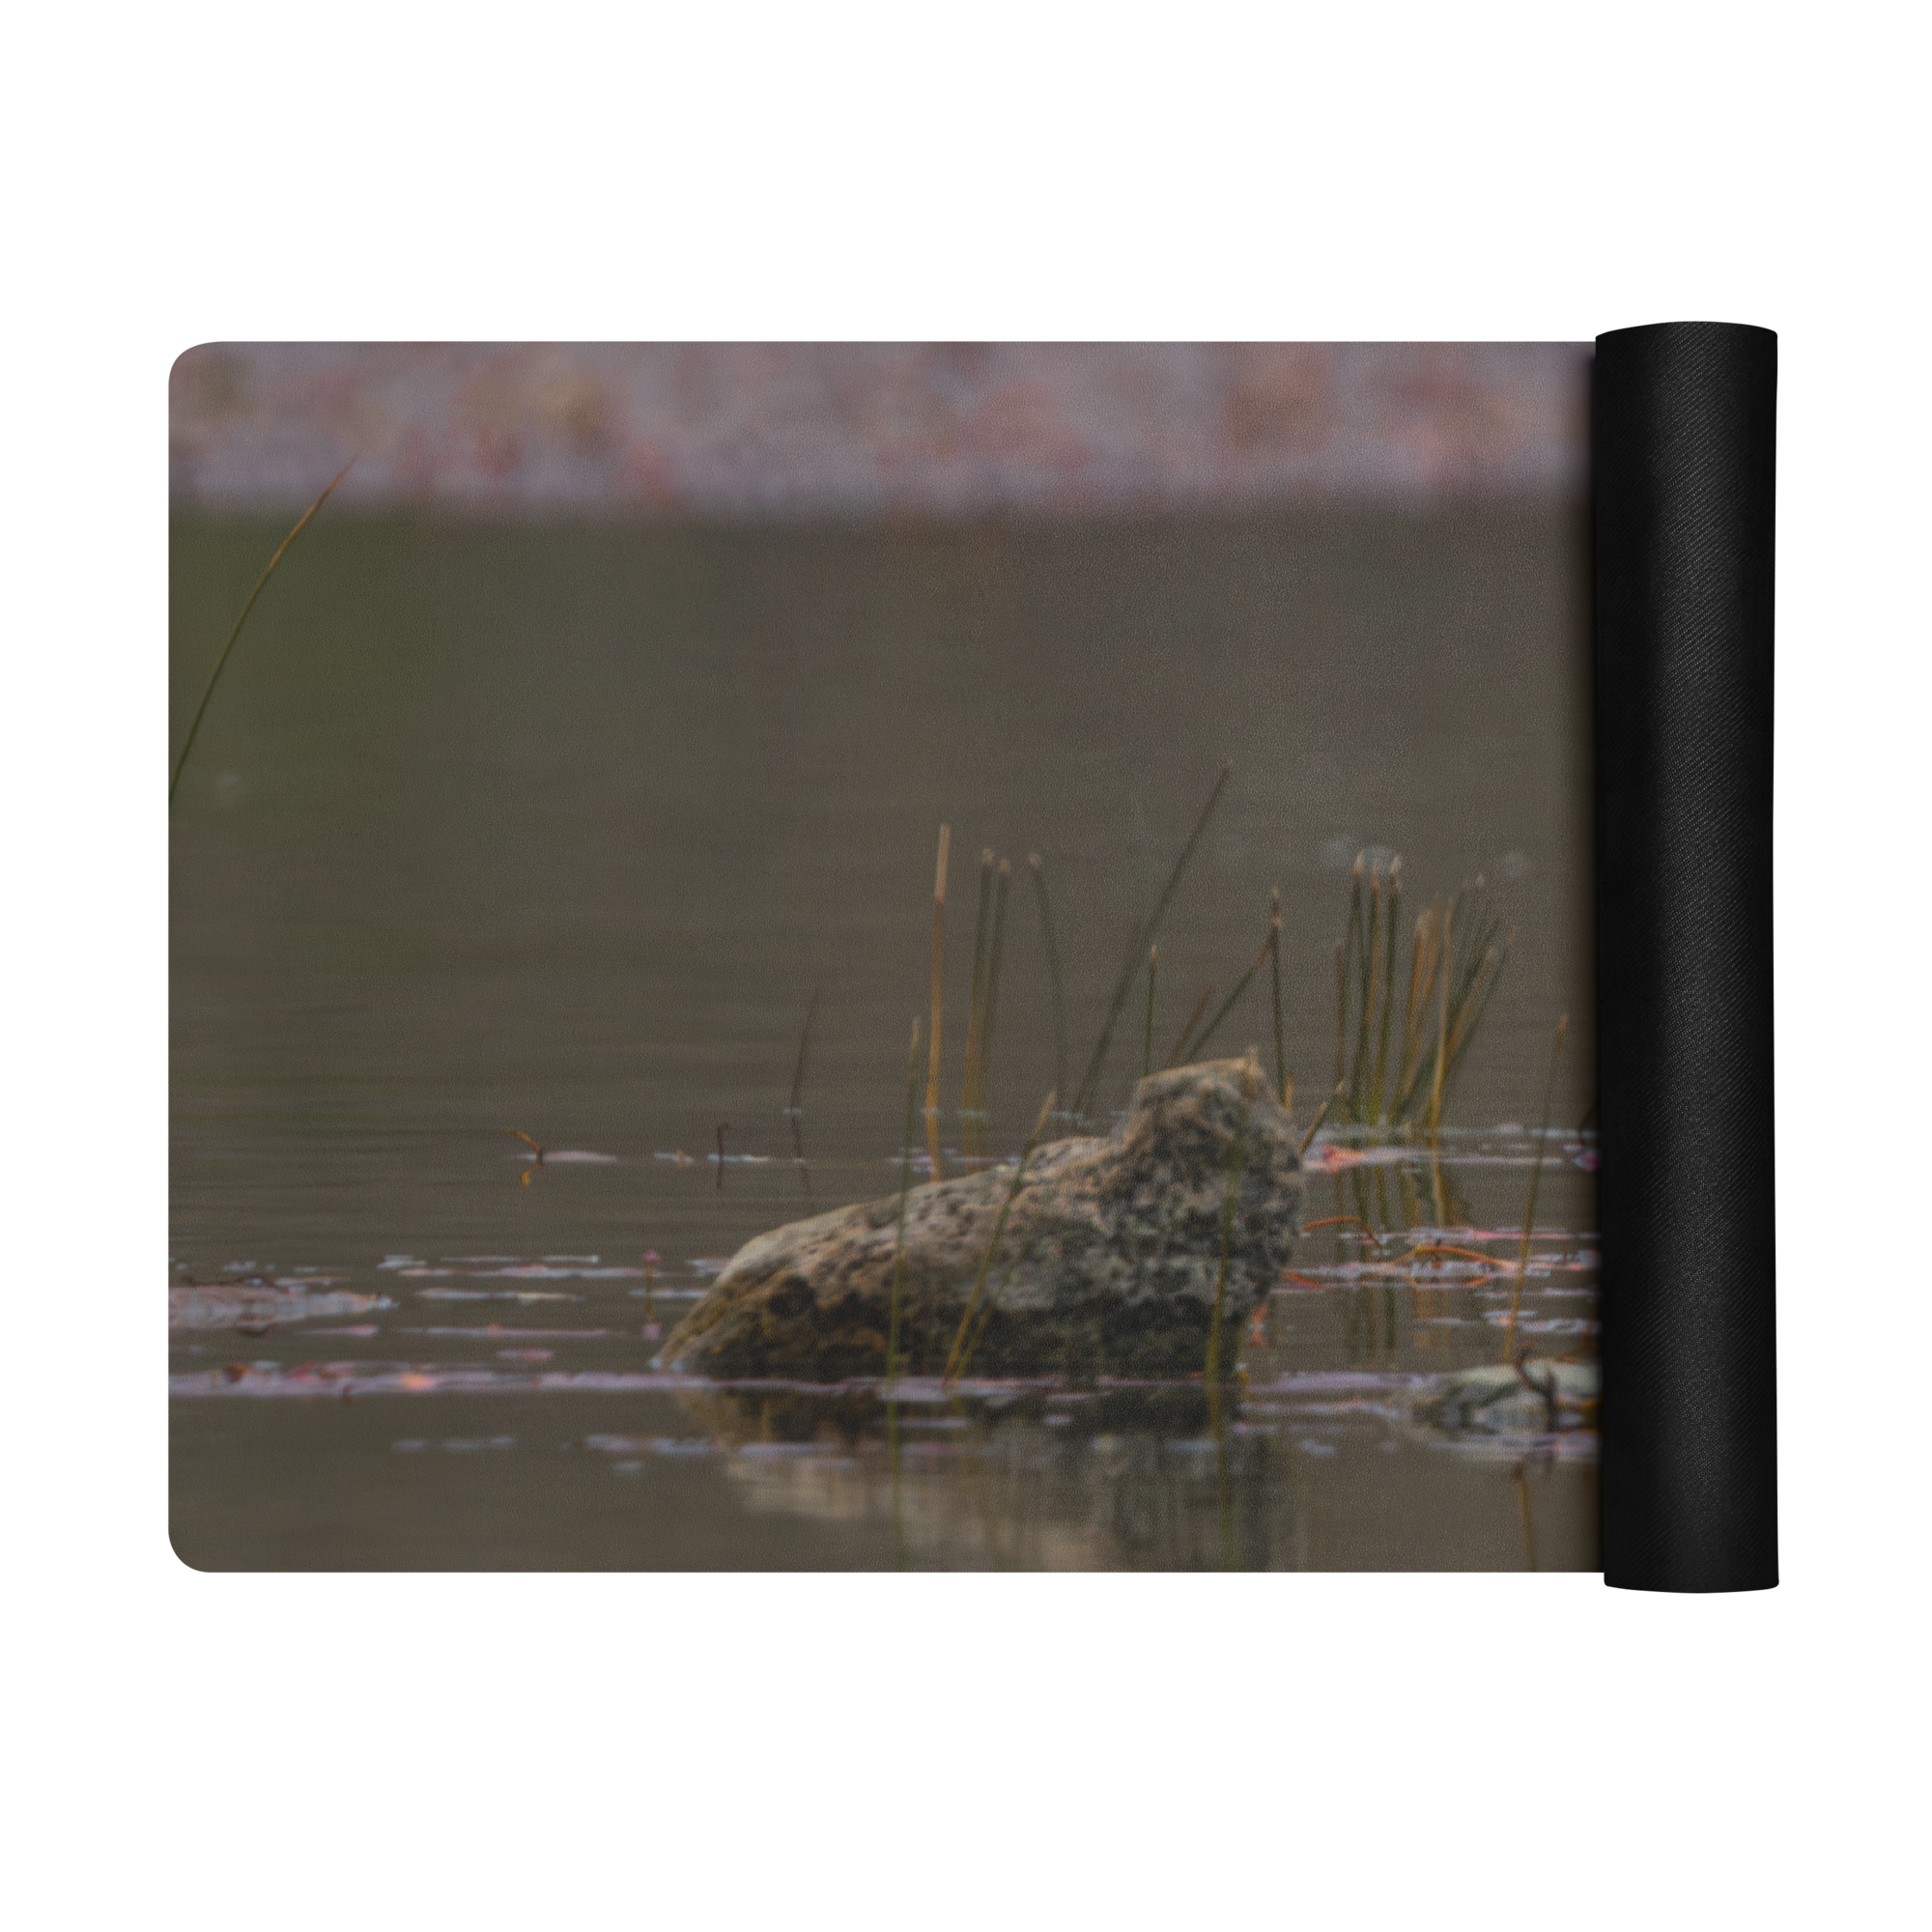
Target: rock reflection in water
[1140,1479]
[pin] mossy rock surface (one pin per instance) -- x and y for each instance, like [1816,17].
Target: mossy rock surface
[1108,1264]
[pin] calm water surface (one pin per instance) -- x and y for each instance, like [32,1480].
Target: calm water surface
[558,829]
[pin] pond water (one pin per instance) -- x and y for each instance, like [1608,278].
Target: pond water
[555,830]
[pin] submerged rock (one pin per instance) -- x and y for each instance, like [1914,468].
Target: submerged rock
[252,1307]
[1108,1262]
[1531,1398]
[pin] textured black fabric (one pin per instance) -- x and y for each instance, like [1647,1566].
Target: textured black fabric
[1683,455]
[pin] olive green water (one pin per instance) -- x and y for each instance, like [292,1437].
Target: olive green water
[557,829]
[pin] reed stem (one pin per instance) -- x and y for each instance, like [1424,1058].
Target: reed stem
[1226,1006]
[1442,1039]
[1535,1180]
[1420,956]
[1143,939]
[1038,872]
[1375,1083]
[1340,1010]
[1193,1020]
[795,1112]
[938,1001]
[968,1094]
[260,582]
[1315,1126]
[954,1359]
[1282,1083]
[907,1141]
[990,1006]
[1367,964]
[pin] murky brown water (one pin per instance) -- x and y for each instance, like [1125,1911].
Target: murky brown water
[556,829]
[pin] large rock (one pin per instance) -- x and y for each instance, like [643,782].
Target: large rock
[1108,1262]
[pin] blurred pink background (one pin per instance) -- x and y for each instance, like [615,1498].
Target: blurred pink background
[862,431]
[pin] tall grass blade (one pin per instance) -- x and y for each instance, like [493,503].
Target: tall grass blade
[991,1303]
[1377,1090]
[1367,961]
[1038,872]
[1198,1043]
[1340,1010]
[990,1006]
[1417,1004]
[1124,985]
[1315,1126]
[1443,1037]
[1193,1020]
[260,582]
[954,1360]
[1283,1086]
[1462,1028]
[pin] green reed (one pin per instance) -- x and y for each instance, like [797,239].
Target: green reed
[991,1303]
[991,1011]
[969,1098]
[1397,1053]
[261,584]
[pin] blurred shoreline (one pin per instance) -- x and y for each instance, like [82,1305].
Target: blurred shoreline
[866,432]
